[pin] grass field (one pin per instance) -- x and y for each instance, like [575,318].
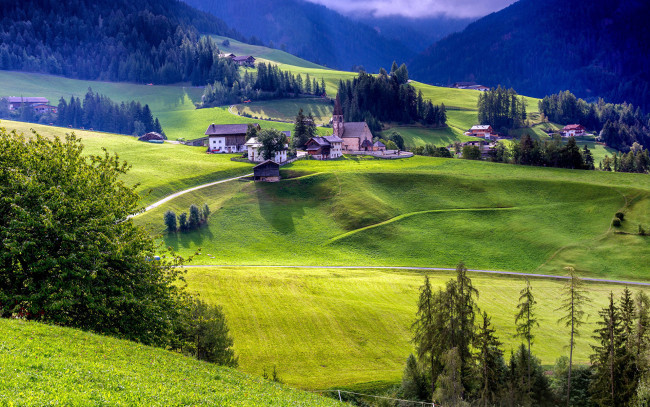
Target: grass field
[287,109]
[331,328]
[46,365]
[419,136]
[419,212]
[160,169]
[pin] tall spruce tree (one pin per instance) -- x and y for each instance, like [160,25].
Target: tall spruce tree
[300,135]
[606,359]
[525,319]
[573,301]
[425,332]
[464,310]
[491,366]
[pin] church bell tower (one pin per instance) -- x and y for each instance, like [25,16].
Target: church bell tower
[337,118]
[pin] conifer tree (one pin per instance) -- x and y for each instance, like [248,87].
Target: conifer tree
[607,356]
[425,331]
[490,364]
[308,85]
[300,135]
[573,301]
[525,319]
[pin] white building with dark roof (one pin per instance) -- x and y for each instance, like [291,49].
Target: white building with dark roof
[15,102]
[253,148]
[325,148]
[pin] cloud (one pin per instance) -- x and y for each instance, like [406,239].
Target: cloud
[417,8]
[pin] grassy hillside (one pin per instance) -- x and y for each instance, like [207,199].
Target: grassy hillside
[240,48]
[420,212]
[160,169]
[330,328]
[47,365]
[287,109]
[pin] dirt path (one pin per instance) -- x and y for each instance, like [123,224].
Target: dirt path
[505,273]
[177,194]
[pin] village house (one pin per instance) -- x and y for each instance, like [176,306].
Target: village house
[224,138]
[573,130]
[15,102]
[484,147]
[324,148]
[268,171]
[356,136]
[253,148]
[482,131]
[247,60]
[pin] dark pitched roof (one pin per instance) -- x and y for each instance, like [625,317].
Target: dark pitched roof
[267,163]
[321,141]
[151,136]
[379,144]
[243,58]
[573,127]
[366,143]
[354,129]
[226,129]
[333,139]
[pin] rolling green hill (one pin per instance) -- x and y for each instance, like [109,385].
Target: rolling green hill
[421,212]
[48,365]
[332,328]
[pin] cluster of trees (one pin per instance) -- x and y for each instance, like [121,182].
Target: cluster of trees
[459,360]
[550,153]
[387,98]
[272,141]
[137,41]
[269,83]
[183,223]
[430,150]
[304,128]
[619,125]
[635,160]
[99,112]
[78,238]
[501,109]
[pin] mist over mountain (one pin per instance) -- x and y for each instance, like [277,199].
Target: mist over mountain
[595,49]
[310,31]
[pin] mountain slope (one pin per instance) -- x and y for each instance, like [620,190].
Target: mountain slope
[48,365]
[310,31]
[118,40]
[594,49]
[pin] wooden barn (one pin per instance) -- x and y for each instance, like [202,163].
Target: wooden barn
[268,171]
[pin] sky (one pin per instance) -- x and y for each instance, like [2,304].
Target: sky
[417,8]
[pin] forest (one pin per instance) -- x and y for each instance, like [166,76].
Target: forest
[99,112]
[501,109]
[142,41]
[619,125]
[270,83]
[387,98]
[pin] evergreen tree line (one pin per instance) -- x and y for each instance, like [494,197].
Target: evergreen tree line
[430,150]
[459,360]
[183,223]
[384,98]
[136,41]
[619,125]
[501,109]
[635,160]
[269,83]
[99,112]
[549,153]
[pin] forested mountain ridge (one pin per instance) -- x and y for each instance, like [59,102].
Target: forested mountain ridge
[309,31]
[595,49]
[119,40]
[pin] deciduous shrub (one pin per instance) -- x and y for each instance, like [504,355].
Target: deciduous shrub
[616,223]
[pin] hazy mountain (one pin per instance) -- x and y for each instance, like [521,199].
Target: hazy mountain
[310,31]
[415,33]
[595,49]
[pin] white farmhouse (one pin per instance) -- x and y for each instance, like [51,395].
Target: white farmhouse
[253,148]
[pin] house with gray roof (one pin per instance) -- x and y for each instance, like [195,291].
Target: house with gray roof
[224,138]
[325,148]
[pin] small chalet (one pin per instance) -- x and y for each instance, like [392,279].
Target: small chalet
[482,131]
[573,130]
[324,148]
[470,85]
[268,171]
[379,146]
[15,102]
[485,148]
[224,138]
[247,60]
[356,136]
[253,148]
[152,137]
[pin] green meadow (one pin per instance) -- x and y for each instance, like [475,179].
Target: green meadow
[287,109]
[419,212]
[332,328]
[159,169]
[53,366]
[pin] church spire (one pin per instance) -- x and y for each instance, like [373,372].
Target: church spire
[337,107]
[337,118]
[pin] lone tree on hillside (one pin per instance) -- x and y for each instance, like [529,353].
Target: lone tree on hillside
[525,320]
[65,229]
[272,142]
[574,298]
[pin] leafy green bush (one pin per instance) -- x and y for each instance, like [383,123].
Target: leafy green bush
[616,223]
[620,215]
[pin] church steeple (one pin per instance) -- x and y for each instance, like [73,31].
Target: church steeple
[337,118]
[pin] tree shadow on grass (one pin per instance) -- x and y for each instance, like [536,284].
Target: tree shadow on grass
[184,240]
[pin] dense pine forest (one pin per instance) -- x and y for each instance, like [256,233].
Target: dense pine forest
[595,49]
[387,98]
[137,41]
